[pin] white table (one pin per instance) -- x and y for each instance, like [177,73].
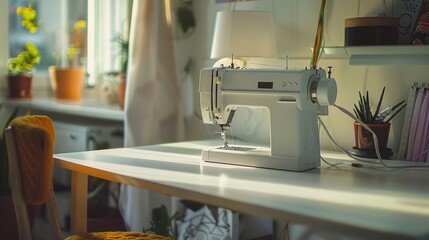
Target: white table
[365,202]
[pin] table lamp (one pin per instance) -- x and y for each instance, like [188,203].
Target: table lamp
[242,34]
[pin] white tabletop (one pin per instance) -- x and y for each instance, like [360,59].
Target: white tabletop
[369,202]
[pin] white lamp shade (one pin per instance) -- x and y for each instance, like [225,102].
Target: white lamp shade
[243,34]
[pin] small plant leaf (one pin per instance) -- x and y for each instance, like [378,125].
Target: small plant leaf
[358,112]
[368,114]
[379,104]
[362,107]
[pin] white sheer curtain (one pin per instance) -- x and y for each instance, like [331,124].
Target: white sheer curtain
[153,104]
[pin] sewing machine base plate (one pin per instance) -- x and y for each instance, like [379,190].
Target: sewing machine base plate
[254,157]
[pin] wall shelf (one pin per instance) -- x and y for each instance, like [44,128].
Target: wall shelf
[380,55]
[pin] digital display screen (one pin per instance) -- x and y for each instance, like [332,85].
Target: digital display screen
[265,85]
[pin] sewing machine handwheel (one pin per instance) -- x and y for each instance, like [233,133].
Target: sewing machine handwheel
[326,91]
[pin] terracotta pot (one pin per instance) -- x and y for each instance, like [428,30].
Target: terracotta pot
[66,82]
[121,91]
[364,139]
[19,86]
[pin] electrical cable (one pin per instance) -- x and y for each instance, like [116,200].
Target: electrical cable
[332,164]
[341,147]
[358,8]
[320,130]
[375,139]
[328,36]
[384,6]
[376,146]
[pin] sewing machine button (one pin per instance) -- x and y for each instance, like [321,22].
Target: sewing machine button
[284,84]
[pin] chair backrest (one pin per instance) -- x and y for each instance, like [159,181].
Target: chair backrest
[30,143]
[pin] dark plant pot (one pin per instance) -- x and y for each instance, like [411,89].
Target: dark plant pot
[105,219]
[364,139]
[19,86]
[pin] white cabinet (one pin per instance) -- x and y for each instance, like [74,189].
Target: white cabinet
[72,137]
[69,138]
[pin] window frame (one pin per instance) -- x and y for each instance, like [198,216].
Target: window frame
[117,15]
[97,16]
[4,43]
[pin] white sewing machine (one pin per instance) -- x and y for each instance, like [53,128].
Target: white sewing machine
[293,98]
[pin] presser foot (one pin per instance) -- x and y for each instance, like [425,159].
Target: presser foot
[223,131]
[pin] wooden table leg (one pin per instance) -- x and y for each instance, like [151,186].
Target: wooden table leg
[79,203]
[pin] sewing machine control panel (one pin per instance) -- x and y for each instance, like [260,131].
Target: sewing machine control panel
[273,82]
[287,85]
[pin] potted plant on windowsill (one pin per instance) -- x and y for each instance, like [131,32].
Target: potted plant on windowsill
[123,45]
[378,122]
[20,73]
[67,82]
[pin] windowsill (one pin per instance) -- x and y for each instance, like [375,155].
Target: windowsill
[87,107]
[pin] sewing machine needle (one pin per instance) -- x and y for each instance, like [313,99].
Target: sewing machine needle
[223,135]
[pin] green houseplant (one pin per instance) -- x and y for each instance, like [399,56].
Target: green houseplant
[20,73]
[161,223]
[378,121]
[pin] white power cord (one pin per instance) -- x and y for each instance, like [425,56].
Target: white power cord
[377,150]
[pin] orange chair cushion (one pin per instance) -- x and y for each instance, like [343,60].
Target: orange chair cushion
[34,138]
[117,235]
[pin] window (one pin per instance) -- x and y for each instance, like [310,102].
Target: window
[56,18]
[107,19]
[97,51]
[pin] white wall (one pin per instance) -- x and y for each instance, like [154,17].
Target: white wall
[295,24]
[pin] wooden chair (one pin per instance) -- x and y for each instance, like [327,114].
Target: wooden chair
[30,144]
